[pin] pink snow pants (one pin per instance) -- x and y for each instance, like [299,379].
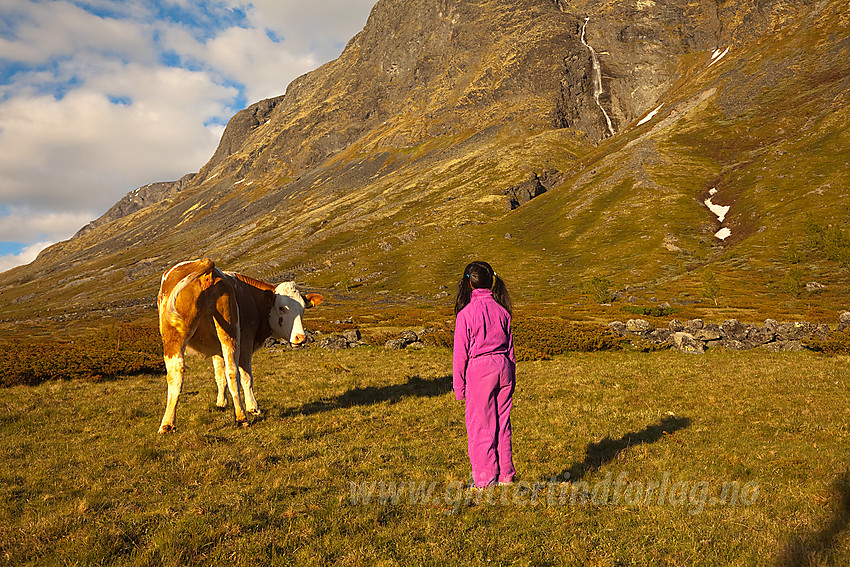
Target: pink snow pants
[490,382]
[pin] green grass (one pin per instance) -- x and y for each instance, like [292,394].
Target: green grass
[86,479]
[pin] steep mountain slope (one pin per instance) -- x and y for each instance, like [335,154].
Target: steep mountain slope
[386,169]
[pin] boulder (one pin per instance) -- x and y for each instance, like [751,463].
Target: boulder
[675,326]
[660,336]
[524,192]
[796,331]
[733,344]
[693,325]
[733,329]
[335,342]
[771,325]
[352,335]
[707,335]
[784,346]
[638,326]
[685,342]
[395,344]
[759,336]
[843,321]
[618,327]
[409,337]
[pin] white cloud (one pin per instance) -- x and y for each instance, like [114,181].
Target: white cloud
[19,224]
[84,151]
[322,28]
[60,29]
[27,255]
[98,97]
[245,56]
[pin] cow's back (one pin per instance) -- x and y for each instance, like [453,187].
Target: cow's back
[177,273]
[186,300]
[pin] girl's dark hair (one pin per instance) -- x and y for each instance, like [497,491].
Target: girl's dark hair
[480,275]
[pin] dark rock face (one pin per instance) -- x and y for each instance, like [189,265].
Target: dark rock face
[533,187]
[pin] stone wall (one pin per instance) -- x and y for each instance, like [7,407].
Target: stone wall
[695,335]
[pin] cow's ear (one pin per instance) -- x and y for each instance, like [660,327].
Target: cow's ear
[313,299]
[269,295]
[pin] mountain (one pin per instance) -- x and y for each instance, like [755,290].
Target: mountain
[567,142]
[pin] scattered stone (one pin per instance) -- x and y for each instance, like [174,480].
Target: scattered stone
[416,345]
[812,287]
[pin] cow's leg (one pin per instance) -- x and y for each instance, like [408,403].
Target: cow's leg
[227,329]
[174,351]
[220,380]
[247,377]
[231,372]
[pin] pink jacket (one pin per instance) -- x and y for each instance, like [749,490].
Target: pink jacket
[482,328]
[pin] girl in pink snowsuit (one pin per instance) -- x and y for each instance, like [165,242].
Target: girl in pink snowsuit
[484,371]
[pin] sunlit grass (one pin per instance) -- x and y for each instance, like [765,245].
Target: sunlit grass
[87,480]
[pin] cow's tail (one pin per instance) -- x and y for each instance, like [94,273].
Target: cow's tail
[202,274]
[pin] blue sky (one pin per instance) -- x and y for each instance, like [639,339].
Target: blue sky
[98,97]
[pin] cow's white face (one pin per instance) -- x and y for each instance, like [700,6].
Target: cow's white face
[285,315]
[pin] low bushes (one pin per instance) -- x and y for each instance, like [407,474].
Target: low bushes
[540,338]
[119,351]
[836,343]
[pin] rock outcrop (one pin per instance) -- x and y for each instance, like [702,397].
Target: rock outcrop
[138,199]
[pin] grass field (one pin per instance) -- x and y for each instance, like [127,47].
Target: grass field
[723,459]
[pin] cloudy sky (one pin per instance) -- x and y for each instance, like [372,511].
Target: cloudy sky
[98,97]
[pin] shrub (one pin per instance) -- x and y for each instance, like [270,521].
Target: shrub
[554,336]
[599,290]
[104,354]
[836,343]
[657,311]
[439,336]
[830,241]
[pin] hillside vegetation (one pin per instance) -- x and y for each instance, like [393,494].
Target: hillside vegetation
[384,171]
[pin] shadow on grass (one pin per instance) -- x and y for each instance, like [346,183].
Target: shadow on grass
[818,548]
[414,387]
[606,450]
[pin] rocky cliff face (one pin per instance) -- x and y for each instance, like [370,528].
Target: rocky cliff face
[138,199]
[414,149]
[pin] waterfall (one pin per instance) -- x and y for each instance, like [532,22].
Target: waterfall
[597,77]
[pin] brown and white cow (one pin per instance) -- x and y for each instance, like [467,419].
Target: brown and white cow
[225,316]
